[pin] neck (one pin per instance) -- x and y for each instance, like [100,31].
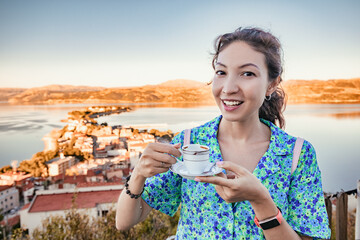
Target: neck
[250,130]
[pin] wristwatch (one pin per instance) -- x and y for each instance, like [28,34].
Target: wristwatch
[269,222]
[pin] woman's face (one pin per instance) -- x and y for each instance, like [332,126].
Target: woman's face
[241,82]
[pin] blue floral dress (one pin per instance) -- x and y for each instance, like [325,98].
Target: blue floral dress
[205,215]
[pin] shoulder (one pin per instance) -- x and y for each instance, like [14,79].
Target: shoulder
[209,128]
[205,131]
[282,143]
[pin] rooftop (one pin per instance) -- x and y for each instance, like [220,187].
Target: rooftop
[76,179]
[63,201]
[95,184]
[12,221]
[59,160]
[5,187]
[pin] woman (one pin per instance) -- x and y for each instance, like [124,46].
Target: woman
[245,142]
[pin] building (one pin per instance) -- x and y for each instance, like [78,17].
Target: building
[28,191]
[95,175]
[9,198]
[59,165]
[9,178]
[94,201]
[10,221]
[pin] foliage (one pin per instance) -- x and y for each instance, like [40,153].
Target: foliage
[78,225]
[74,225]
[158,133]
[36,165]
[19,234]
[5,169]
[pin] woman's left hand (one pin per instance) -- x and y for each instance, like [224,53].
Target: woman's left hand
[240,186]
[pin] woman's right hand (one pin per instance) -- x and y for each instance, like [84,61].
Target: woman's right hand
[157,158]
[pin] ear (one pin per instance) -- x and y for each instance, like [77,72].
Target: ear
[273,86]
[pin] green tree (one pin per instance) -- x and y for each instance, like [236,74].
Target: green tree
[5,169]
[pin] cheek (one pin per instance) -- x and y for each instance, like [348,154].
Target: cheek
[215,88]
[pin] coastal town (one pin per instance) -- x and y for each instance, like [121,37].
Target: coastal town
[87,159]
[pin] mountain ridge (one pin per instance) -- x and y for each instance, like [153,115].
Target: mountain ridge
[178,91]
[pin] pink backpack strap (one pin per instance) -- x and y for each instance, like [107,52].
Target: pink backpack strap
[296,154]
[187,136]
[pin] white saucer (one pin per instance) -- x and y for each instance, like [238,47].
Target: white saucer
[179,168]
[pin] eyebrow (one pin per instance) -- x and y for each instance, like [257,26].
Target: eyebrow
[242,66]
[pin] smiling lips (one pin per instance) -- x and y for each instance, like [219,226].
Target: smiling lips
[230,105]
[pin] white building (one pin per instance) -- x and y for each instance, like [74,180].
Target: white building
[116,152]
[59,165]
[9,198]
[94,201]
[28,191]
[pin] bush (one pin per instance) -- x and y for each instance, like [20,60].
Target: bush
[78,225]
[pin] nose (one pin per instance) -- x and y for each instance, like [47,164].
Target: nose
[230,86]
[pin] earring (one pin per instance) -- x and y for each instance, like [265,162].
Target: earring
[267,98]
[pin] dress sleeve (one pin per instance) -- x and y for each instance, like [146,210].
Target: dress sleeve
[307,213]
[163,191]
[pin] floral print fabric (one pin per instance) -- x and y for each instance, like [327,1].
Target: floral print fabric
[205,215]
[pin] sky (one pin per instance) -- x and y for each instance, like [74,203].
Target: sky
[116,43]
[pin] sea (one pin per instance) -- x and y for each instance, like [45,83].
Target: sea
[333,129]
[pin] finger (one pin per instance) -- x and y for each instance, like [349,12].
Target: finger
[177,145]
[221,181]
[222,175]
[163,165]
[166,148]
[162,157]
[220,190]
[233,167]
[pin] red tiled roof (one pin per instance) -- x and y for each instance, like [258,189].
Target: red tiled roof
[58,177]
[63,201]
[76,179]
[115,179]
[94,172]
[28,186]
[25,206]
[4,187]
[11,221]
[95,184]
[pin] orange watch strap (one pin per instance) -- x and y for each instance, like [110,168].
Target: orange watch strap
[269,222]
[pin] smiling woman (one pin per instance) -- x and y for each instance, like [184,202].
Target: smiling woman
[261,51]
[257,196]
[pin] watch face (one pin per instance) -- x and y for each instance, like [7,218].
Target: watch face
[270,224]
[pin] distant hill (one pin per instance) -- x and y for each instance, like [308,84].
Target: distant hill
[7,93]
[179,91]
[66,88]
[175,91]
[317,91]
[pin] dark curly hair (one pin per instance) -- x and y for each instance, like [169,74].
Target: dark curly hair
[267,44]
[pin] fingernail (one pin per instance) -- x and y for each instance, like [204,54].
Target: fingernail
[219,163]
[197,180]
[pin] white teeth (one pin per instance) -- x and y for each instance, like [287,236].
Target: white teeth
[232,103]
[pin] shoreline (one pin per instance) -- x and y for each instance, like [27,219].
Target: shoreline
[146,104]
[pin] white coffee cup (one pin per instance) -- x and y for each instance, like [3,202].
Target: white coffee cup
[195,158]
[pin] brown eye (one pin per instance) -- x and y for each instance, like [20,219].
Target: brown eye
[248,74]
[219,72]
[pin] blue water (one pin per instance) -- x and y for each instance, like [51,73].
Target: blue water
[335,138]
